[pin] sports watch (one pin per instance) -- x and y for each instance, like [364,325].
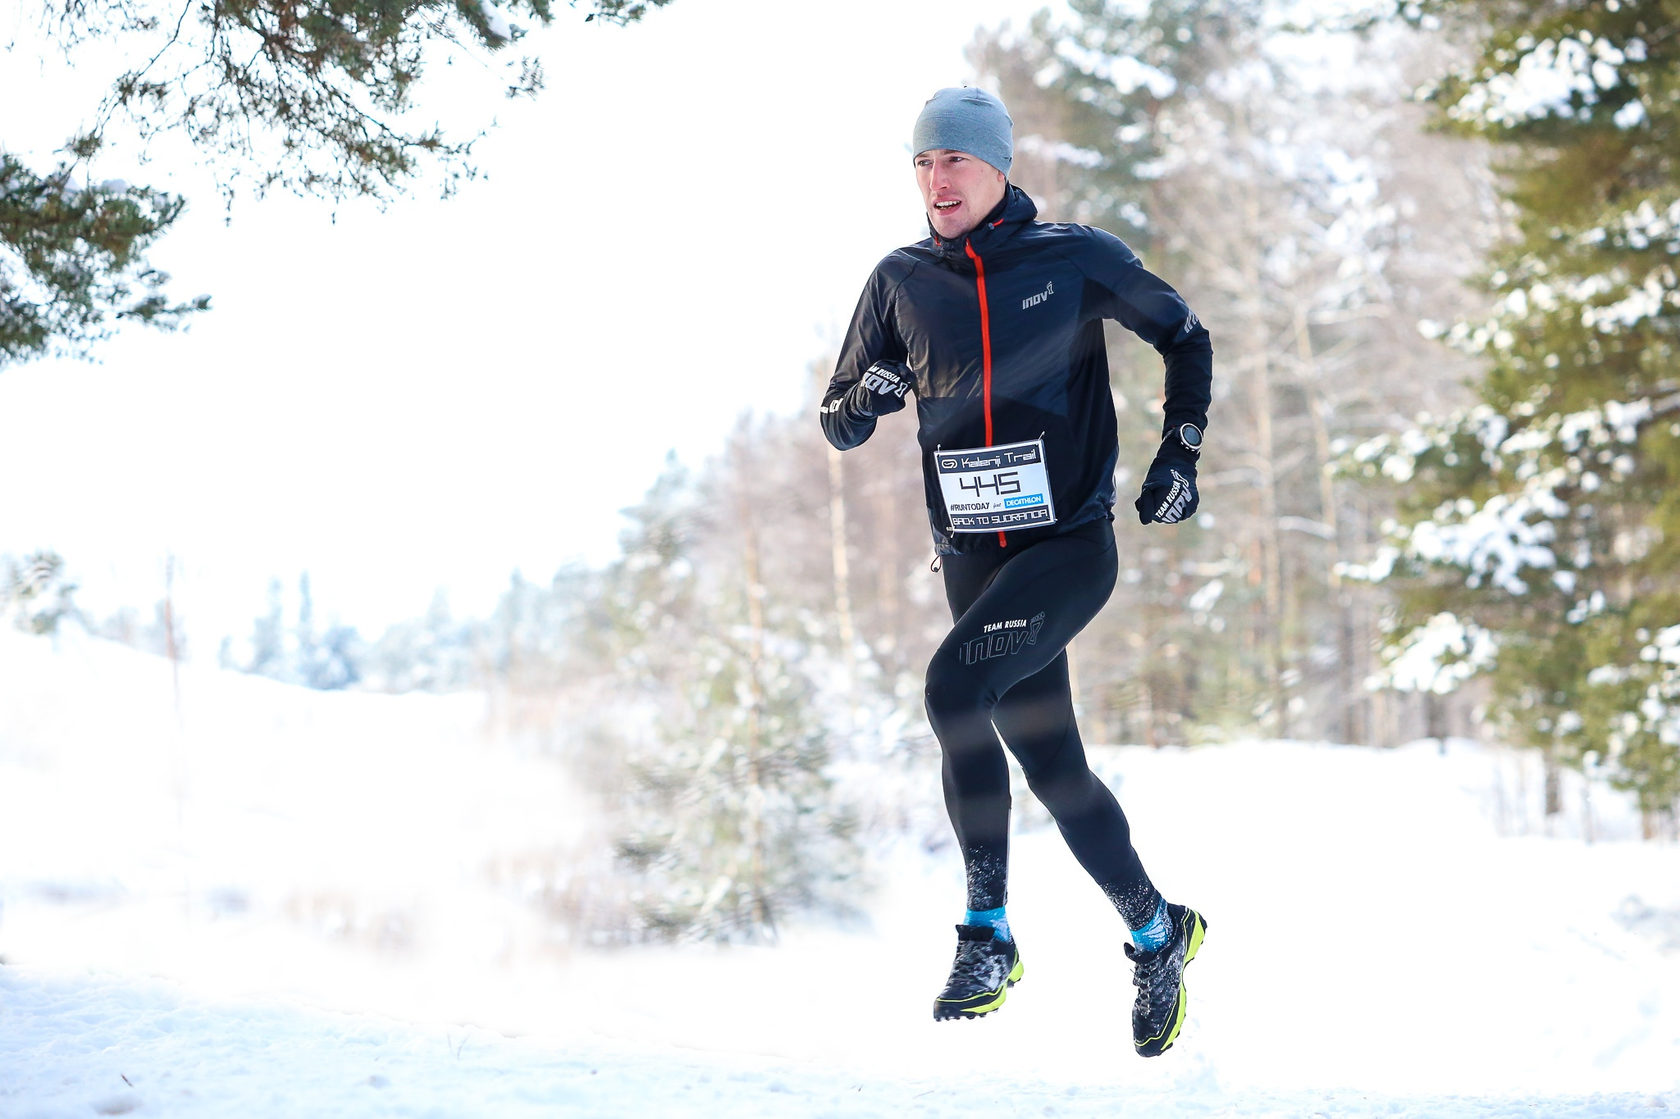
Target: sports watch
[1189,437]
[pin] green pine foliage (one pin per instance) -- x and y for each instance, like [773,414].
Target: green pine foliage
[1546,519]
[319,97]
[316,97]
[73,259]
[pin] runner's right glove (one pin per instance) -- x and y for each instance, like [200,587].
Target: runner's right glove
[880,391]
[1169,489]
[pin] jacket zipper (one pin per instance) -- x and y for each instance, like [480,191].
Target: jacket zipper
[985,352]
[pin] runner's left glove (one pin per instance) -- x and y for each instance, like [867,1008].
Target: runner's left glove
[880,391]
[1169,489]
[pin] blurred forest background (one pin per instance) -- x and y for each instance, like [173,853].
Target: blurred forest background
[1436,245]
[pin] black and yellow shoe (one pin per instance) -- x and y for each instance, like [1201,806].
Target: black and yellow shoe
[1158,1013]
[981,975]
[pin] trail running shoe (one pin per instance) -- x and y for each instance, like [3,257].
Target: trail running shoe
[981,975]
[1158,1013]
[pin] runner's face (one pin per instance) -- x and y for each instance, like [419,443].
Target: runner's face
[958,190]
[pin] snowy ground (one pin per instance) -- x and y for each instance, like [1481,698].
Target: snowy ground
[267,902]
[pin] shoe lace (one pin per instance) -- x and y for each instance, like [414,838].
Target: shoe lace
[977,961]
[973,960]
[1151,977]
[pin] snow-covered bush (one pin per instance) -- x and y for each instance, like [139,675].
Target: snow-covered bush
[36,593]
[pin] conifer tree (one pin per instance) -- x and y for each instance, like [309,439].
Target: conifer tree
[268,637]
[73,257]
[731,815]
[1540,539]
[36,593]
[317,97]
[1269,190]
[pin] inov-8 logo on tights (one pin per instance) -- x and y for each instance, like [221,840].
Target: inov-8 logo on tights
[1002,639]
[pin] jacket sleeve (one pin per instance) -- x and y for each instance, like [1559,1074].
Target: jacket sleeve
[871,337]
[1148,306]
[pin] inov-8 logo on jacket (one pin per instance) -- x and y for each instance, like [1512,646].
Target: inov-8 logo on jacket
[1035,300]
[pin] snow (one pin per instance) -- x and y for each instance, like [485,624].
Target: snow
[1550,78]
[1499,539]
[1643,302]
[1644,226]
[227,896]
[499,26]
[1124,73]
[1630,115]
[1440,655]
[1508,536]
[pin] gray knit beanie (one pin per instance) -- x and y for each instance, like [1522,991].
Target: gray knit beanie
[966,120]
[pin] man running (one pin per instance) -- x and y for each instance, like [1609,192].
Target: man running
[995,323]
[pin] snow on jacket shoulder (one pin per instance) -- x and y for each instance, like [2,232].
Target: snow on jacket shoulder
[1002,333]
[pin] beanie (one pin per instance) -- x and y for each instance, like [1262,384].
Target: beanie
[966,120]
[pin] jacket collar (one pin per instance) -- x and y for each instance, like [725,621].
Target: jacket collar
[1006,217]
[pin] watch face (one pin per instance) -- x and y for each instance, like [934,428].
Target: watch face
[1191,436]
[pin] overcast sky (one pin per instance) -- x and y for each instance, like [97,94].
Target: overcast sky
[443,392]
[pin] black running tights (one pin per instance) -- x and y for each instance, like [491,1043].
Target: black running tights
[1004,665]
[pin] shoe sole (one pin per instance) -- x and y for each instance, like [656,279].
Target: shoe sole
[978,1006]
[1155,1047]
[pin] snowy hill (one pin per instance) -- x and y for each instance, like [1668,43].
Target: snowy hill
[254,900]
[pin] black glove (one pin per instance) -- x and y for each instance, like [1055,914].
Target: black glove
[880,391]
[1169,489]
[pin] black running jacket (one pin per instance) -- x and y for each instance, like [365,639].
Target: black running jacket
[1001,331]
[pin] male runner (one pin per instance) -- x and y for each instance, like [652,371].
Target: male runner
[995,323]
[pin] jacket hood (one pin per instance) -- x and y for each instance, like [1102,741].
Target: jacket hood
[1009,215]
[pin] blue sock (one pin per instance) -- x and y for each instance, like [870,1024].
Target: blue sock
[1156,932]
[992,917]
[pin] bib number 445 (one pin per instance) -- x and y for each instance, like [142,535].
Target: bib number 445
[1003,483]
[993,489]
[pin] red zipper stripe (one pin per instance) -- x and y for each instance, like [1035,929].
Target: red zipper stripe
[985,336]
[985,350]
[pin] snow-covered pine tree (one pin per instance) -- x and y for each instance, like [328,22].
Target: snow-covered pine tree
[1099,104]
[268,637]
[327,660]
[1277,177]
[434,653]
[36,592]
[732,821]
[1540,539]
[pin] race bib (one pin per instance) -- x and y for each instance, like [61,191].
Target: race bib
[992,489]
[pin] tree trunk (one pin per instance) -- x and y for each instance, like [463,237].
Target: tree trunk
[1348,691]
[845,623]
[1435,720]
[753,825]
[1259,342]
[1554,783]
